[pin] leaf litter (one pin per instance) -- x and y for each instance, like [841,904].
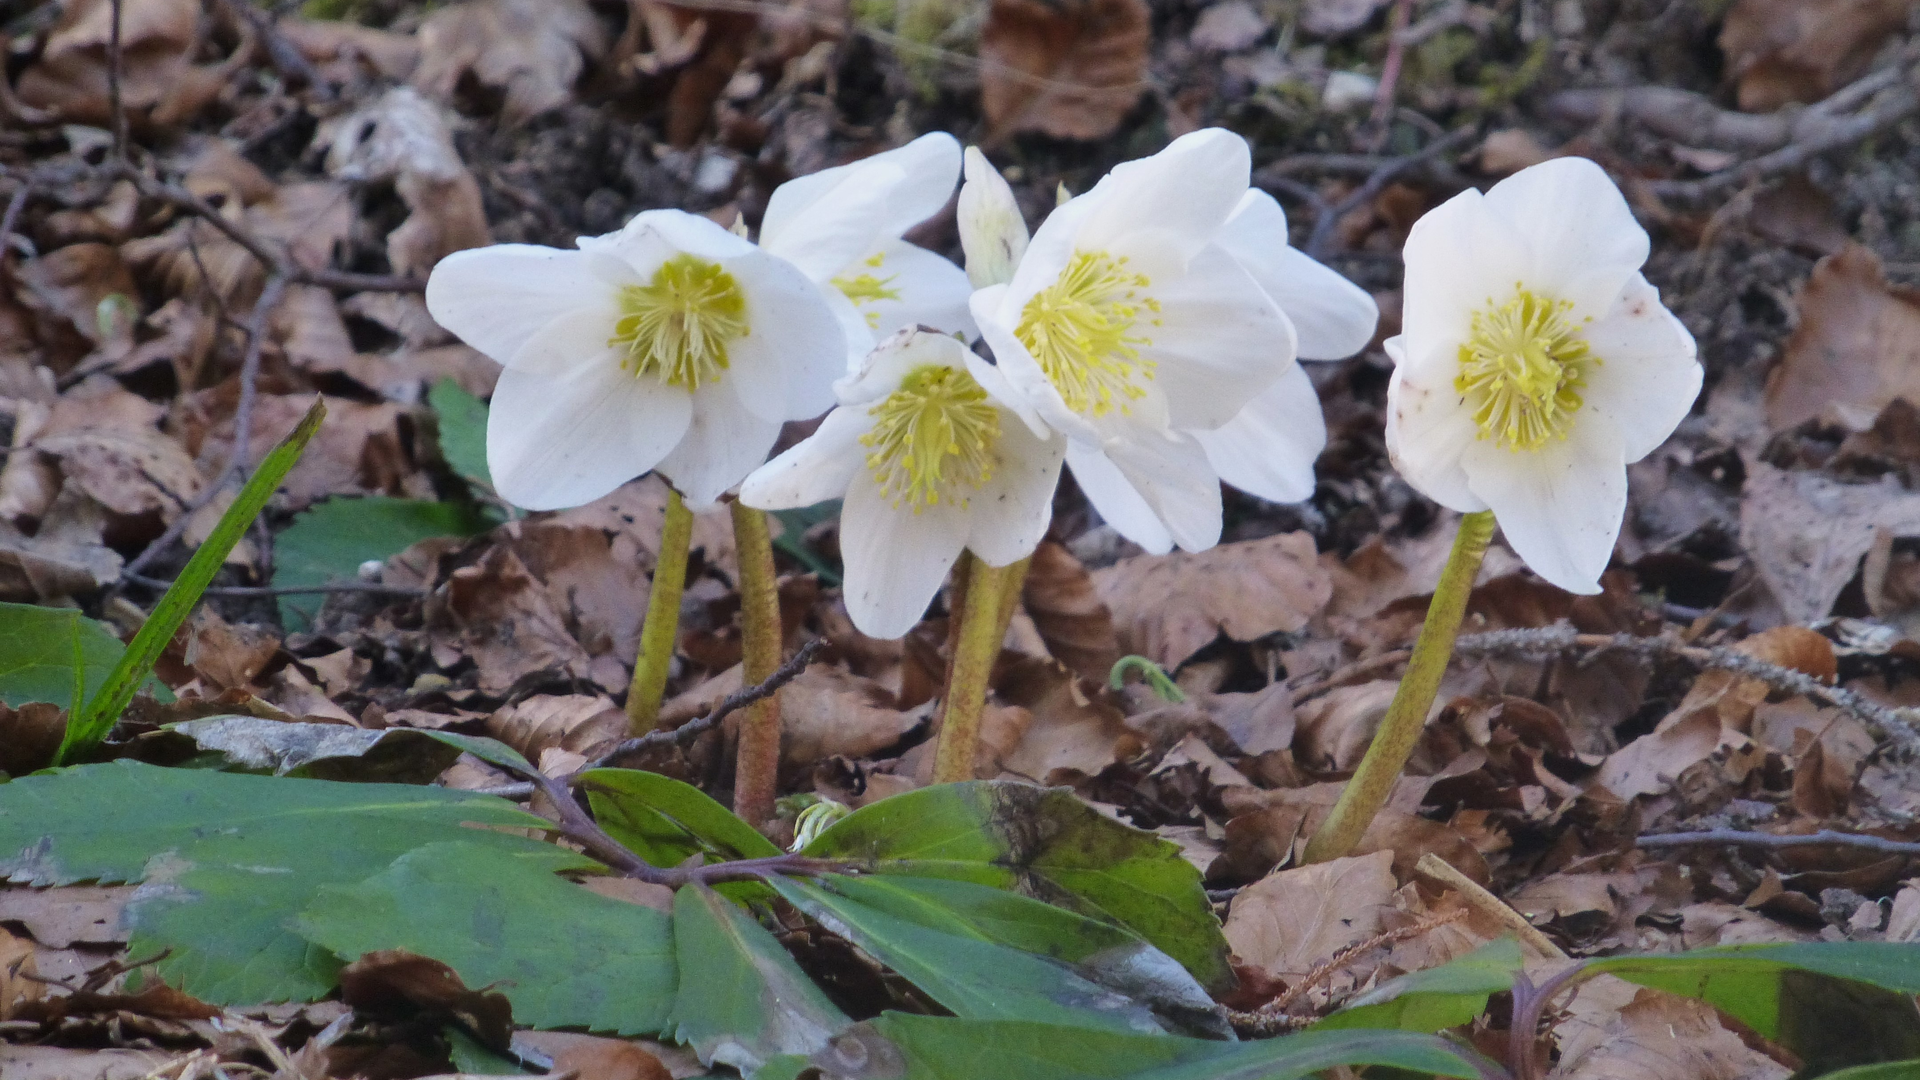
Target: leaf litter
[1779,524]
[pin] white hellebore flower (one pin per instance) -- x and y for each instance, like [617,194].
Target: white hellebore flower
[842,228]
[931,461]
[1128,326]
[672,345]
[1535,363]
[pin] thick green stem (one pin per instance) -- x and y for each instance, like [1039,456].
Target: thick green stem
[757,767]
[662,628]
[973,656]
[1400,730]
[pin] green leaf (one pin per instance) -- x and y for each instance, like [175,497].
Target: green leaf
[1885,1070]
[969,976]
[37,647]
[463,430]
[565,956]
[322,751]
[792,540]
[331,539]
[89,723]
[665,821]
[942,1048]
[491,751]
[468,1056]
[1434,999]
[749,1001]
[1047,844]
[227,859]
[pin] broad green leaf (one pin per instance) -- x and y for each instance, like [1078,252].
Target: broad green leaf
[969,976]
[330,540]
[1434,999]
[743,1001]
[37,646]
[942,1048]
[565,956]
[665,821]
[463,430]
[793,537]
[89,723]
[1044,843]
[491,751]
[1885,1070]
[322,751]
[227,859]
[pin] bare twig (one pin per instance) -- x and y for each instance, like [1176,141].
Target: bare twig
[286,59]
[1377,182]
[1486,903]
[700,725]
[1390,72]
[1737,838]
[15,204]
[288,590]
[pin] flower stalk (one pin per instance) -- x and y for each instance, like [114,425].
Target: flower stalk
[973,657]
[661,631]
[1407,714]
[757,763]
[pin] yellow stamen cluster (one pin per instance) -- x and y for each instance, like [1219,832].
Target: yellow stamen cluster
[1521,371]
[1080,330]
[868,289]
[677,326]
[933,439]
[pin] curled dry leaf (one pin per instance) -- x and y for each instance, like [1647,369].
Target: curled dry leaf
[826,711]
[1785,51]
[1856,348]
[701,49]
[63,557]
[1291,920]
[402,139]
[1069,733]
[1067,68]
[593,1056]
[1806,532]
[1169,607]
[584,724]
[224,655]
[396,984]
[362,449]
[496,613]
[160,85]
[530,52]
[29,736]
[1616,1031]
[1066,609]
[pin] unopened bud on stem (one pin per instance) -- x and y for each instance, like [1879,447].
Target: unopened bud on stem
[992,231]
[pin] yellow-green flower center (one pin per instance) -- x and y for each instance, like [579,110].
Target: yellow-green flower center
[1081,331]
[865,288]
[677,326]
[933,439]
[1522,369]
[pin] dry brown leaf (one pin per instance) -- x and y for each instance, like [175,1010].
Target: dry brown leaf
[361,449]
[1509,150]
[159,83]
[1229,26]
[1169,607]
[344,51]
[826,711]
[701,48]
[595,1057]
[1651,1036]
[1333,731]
[1856,348]
[1067,68]
[76,914]
[497,614]
[581,723]
[399,984]
[1291,920]
[227,656]
[1066,609]
[402,139]
[59,1063]
[63,557]
[72,294]
[18,982]
[1070,734]
[530,52]
[1785,51]
[1807,532]
[1652,763]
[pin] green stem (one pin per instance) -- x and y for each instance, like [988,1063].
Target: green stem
[973,657]
[662,629]
[1407,715]
[757,764]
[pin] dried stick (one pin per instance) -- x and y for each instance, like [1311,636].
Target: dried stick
[1736,838]
[1390,71]
[700,725]
[1377,182]
[1484,901]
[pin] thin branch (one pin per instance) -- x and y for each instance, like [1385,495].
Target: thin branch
[329,588]
[1390,72]
[1736,838]
[700,725]
[15,204]
[1376,183]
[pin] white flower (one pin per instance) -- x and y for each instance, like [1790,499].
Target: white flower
[931,461]
[992,232]
[842,228]
[672,345]
[1535,363]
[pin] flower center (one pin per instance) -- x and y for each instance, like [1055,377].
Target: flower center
[868,289]
[1080,330]
[933,438]
[677,326]
[1522,369]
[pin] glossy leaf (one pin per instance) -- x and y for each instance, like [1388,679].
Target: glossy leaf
[1434,999]
[330,540]
[665,821]
[463,430]
[321,751]
[38,651]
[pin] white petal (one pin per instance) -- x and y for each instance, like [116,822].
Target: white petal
[1332,316]
[1428,429]
[821,466]
[1173,475]
[1220,340]
[927,170]
[568,344]
[992,231]
[1585,241]
[839,226]
[653,235]
[1460,257]
[1648,377]
[1560,506]
[555,443]
[1183,193]
[496,298]
[1028,389]
[895,558]
[994,382]
[933,291]
[724,442]
[1116,500]
[784,368]
[1008,516]
[882,369]
[1268,450]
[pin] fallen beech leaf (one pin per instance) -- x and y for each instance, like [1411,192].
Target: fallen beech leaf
[497,614]
[1785,51]
[578,722]
[701,48]
[1070,734]
[402,139]
[66,290]
[1806,532]
[1857,345]
[362,448]
[1067,68]
[1650,764]
[1509,150]
[1288,921]
[1228,27]
[529,51]
[159,83]
[1169,607]
[1066,609]
[826,711]
[596,1057]
[346,50]
[1333,731]
[1622,1032]
[64,557]
[18,984]
[227,656]
[62,917]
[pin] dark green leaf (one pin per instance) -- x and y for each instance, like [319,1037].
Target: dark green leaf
[564,956]
[90,723]
[491,751]
[330,540]
[37,654]
[1885,1070]
[1047,844]
[664,821]
[1436,998]
[322,751]
[744,1001]
[793,537]
[228,859]
[469,1057]
[463,430]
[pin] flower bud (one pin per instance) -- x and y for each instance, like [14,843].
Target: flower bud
[992,231]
